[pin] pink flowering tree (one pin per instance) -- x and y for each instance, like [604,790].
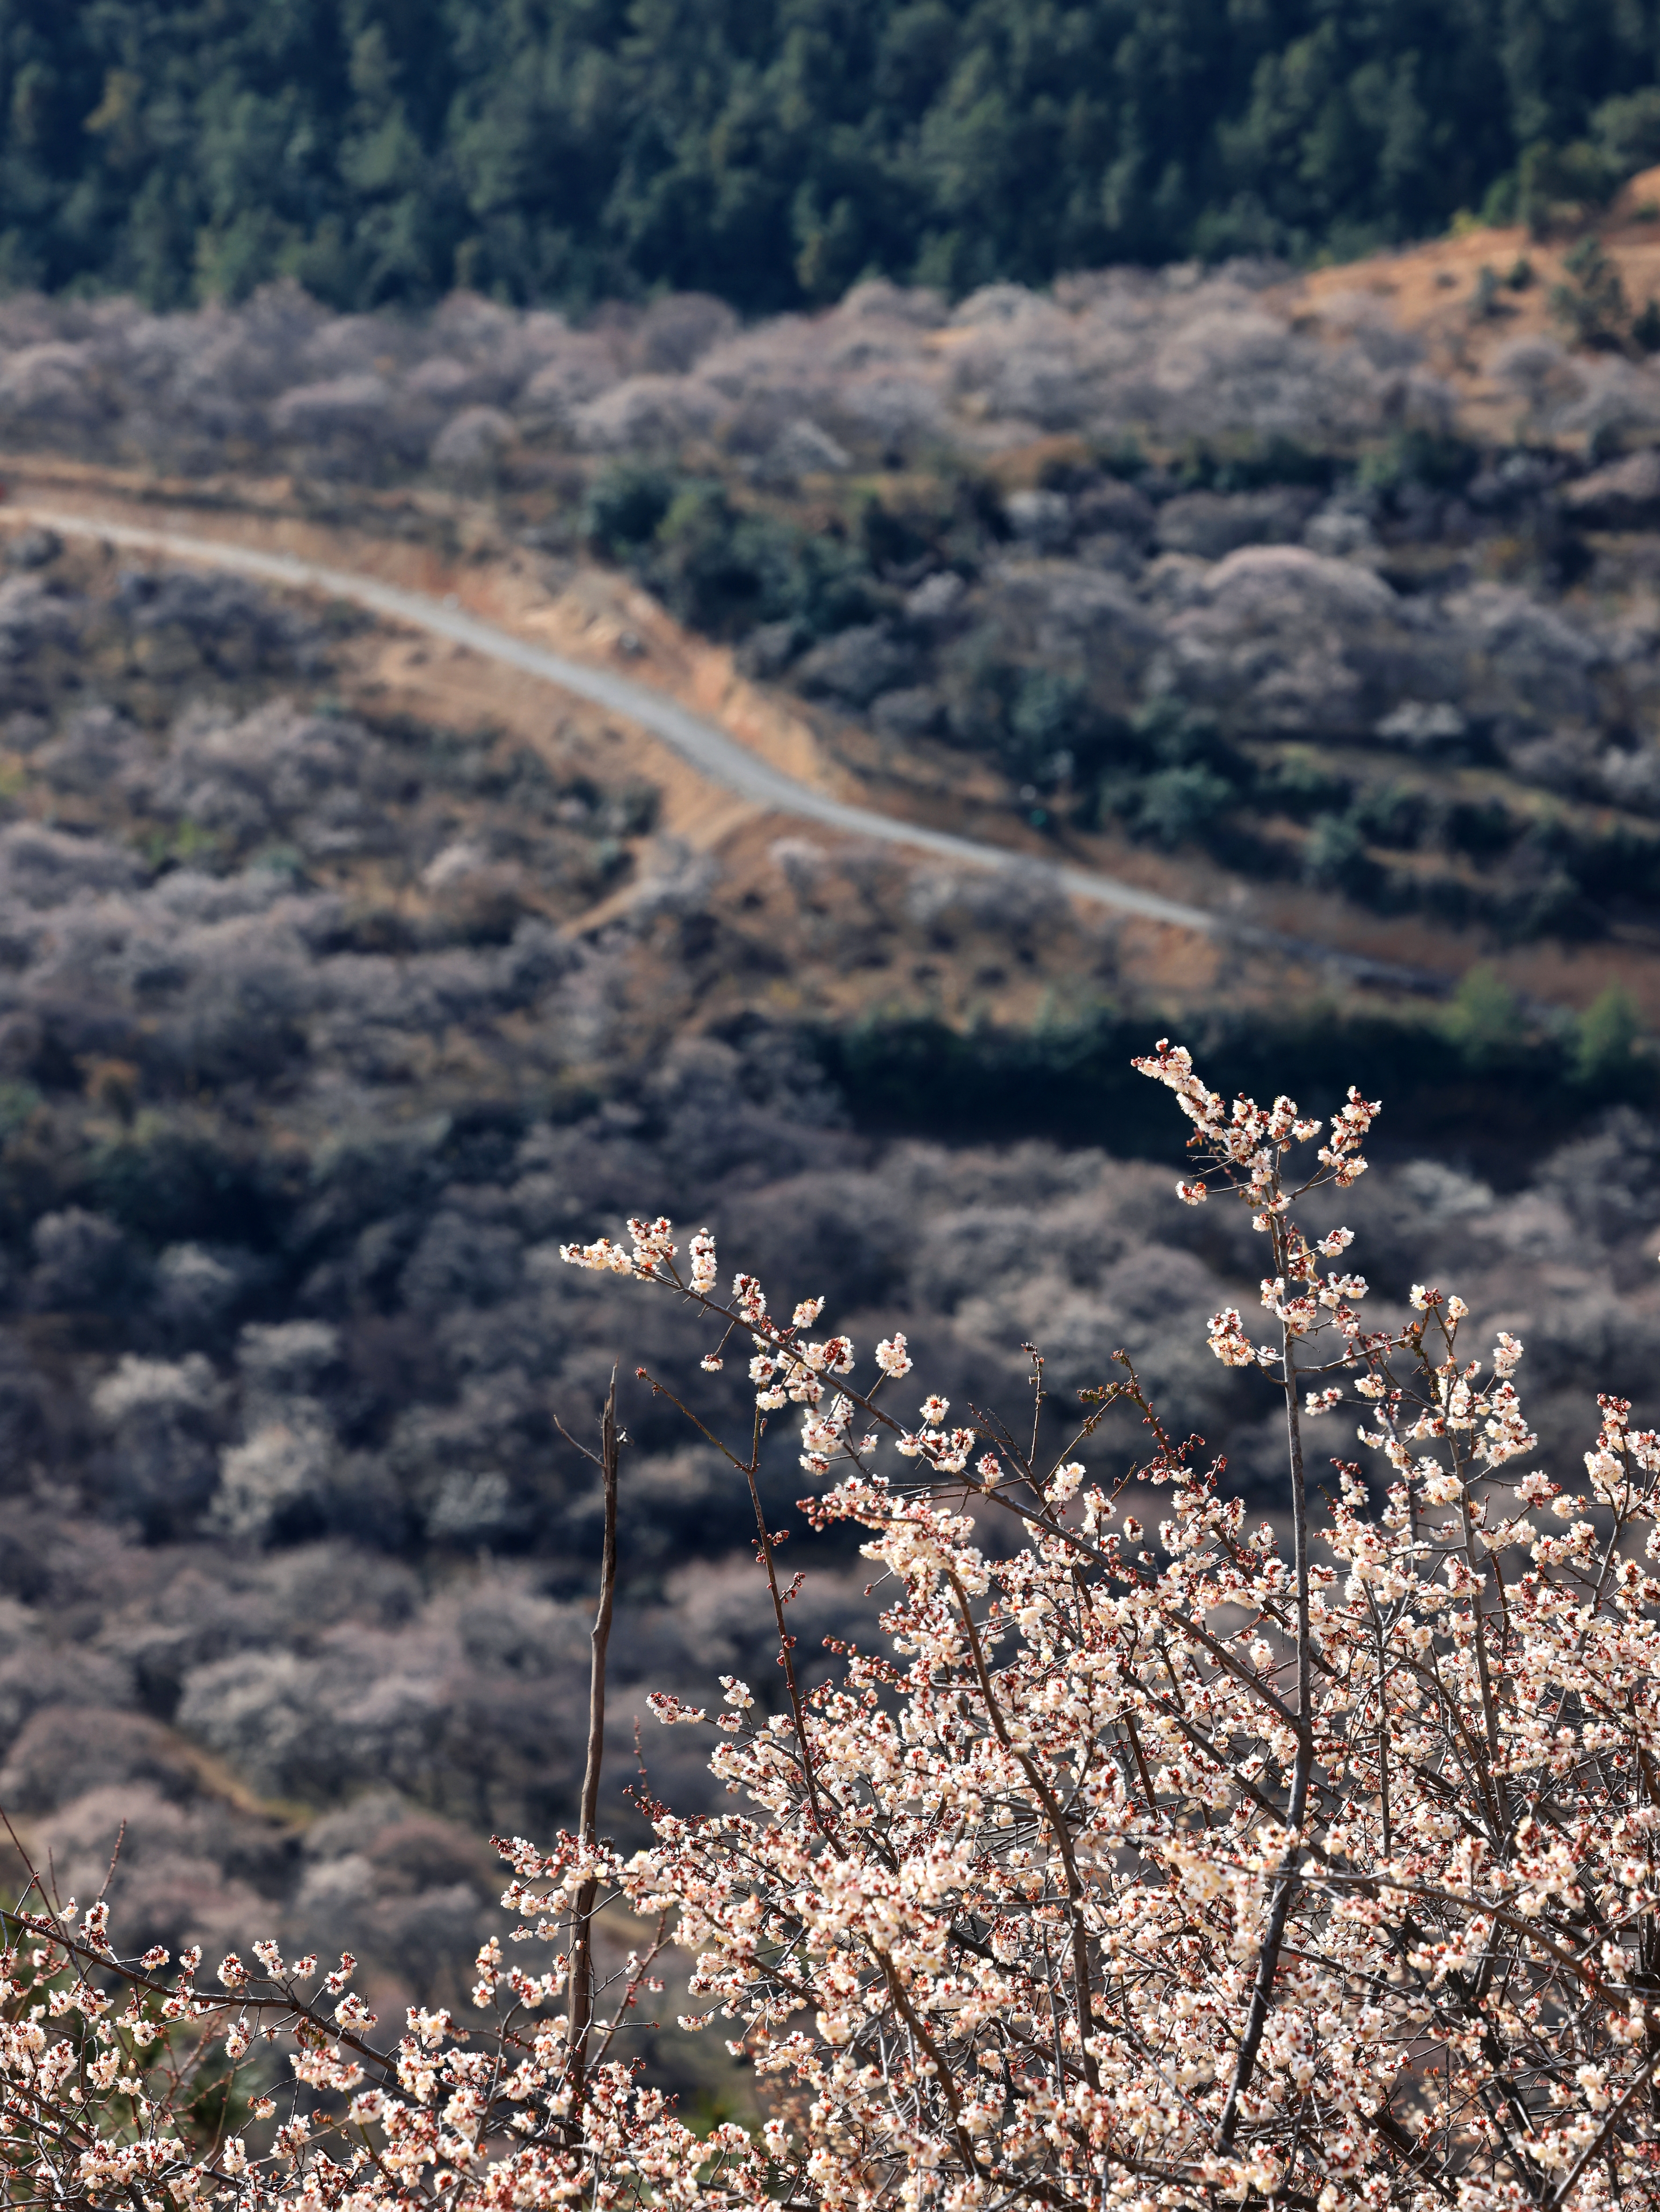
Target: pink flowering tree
[1218,1873]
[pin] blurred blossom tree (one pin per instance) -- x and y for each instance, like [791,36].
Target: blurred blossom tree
[1310,1865]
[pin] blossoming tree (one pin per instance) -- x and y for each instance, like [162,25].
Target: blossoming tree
[1203,1875]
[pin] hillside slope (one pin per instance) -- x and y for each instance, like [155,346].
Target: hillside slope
[344,974]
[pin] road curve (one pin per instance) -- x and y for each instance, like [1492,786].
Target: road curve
[704,744]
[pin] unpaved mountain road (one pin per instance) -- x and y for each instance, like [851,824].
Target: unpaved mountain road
[706,747]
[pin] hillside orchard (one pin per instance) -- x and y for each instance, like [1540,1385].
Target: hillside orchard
[1310,1862]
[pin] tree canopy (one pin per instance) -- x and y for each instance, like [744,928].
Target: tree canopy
[772,151]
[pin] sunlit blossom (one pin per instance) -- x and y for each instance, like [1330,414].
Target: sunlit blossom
[1313,1864]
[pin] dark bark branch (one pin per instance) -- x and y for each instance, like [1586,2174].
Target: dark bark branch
[1080,1969]
[1267,1963]
[581,1978]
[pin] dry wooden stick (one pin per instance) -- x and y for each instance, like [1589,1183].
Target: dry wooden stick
[581,1976]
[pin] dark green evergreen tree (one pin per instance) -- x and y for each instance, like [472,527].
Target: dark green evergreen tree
[775,151]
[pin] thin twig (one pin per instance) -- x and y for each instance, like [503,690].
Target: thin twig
[1056,1819]
[1267,1963]
[581,1980]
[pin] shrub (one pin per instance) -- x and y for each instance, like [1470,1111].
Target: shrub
[1485,1020]
[624,507]
[1391,812]
[1207,1874]
[1248,463]
[1561,184]
[1606,1039]
[1593,307]
[1176,779]
[1300,785]
[720,566]
[1628,128]
[1480,827]
[1336,856]
[1433,458]
[1052,727]
[1176,806]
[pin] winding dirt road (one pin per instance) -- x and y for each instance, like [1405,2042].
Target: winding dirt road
[702,743]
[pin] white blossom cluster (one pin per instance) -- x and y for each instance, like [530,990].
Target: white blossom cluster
[1225,1875]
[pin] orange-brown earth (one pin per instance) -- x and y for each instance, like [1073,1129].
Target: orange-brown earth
[1428,291]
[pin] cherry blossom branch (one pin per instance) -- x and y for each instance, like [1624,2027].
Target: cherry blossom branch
[1268,1965]
[1058,1829]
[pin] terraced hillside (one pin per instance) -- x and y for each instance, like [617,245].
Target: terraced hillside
[342,974]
